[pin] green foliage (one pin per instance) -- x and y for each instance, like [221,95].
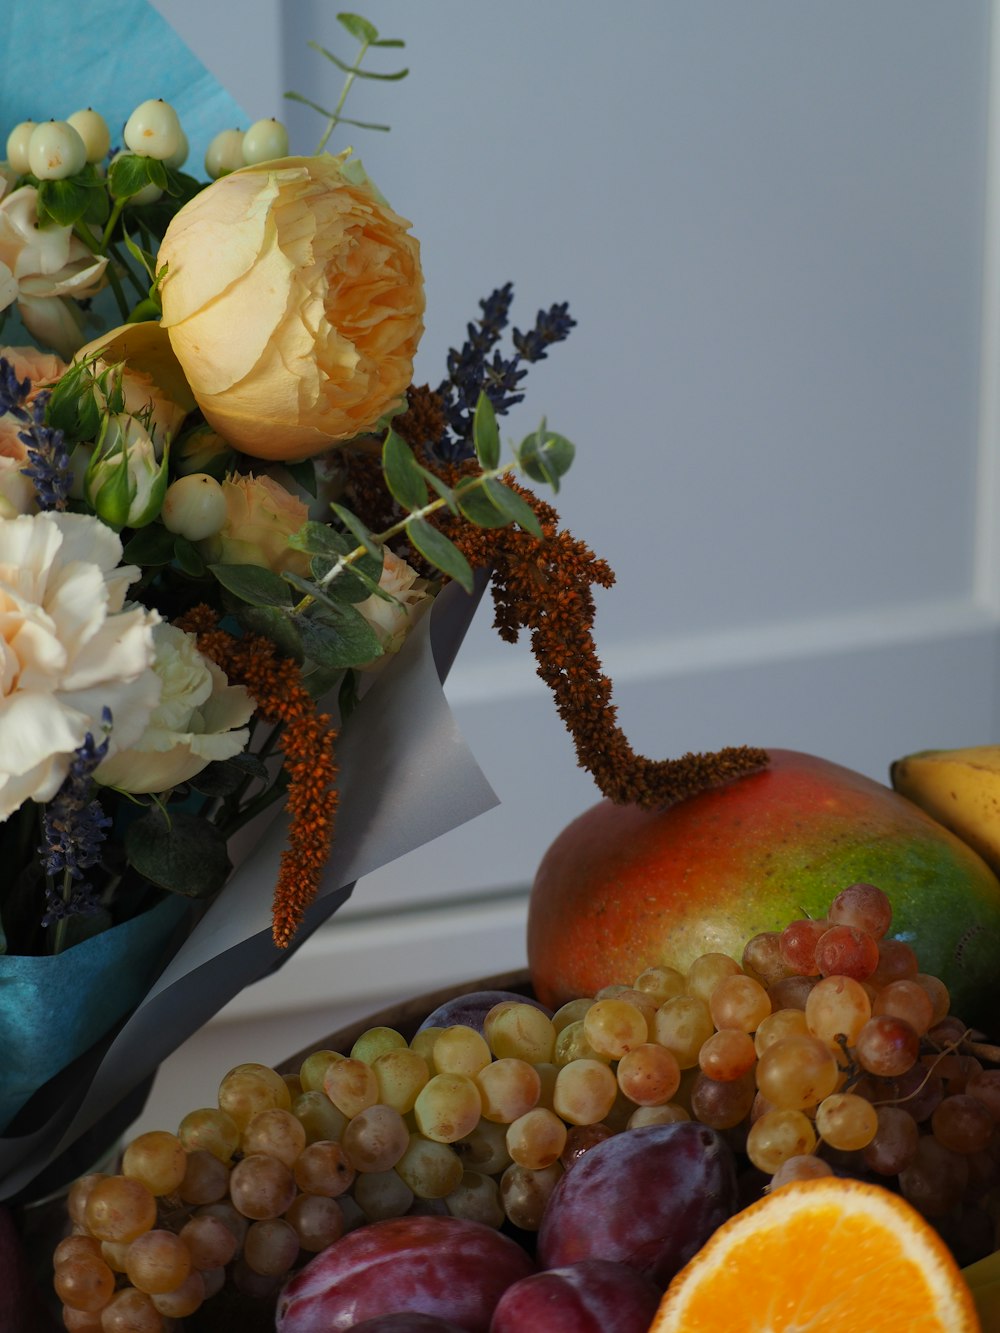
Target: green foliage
[364,32]
[545,456]
[258,587]
[178,851]
[440,551]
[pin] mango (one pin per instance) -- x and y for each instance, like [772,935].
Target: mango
[621,889]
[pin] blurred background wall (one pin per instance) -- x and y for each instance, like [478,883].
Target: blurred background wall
[776,226]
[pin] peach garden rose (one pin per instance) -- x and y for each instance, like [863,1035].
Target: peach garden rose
[294,301]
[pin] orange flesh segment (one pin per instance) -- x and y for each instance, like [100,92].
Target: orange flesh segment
[821,1256]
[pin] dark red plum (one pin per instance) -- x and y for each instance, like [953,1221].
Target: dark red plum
[649,1198]
[596,1296]
[407,1323]
[442,1266]
[471,1009]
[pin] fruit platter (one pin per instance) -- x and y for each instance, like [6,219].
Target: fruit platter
[534,1150]
[747,1079]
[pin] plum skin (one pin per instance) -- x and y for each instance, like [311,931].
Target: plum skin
[595,1296]
[649,1198]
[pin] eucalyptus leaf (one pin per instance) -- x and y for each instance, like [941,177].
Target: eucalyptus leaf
[485,434]
[545,456]
[402,473]
[344,639]
[445,491]
[189,558]
[513,505]
[275,625]
[442,553]
[358,530]
[259,587]
[359,28]
[318,539]
[186,855]
[152,545]
[476,505]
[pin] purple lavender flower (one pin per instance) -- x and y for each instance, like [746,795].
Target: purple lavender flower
[73,827]
[48,457]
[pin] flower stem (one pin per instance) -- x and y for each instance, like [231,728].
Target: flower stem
[348,82]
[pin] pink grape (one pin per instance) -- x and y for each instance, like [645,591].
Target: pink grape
[846,951]
[863,906]
[798,945]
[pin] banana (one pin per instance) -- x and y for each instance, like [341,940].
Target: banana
[984,1272]
[960,789]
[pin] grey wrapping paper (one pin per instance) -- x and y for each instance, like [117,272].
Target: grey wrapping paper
[406,777]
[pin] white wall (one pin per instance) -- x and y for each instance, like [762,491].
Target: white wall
[769,220]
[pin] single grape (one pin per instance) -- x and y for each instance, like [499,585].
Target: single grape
[351,1085]
[739,1002]
[837,1009]
[79,1193]
[668,1114]
[206,1178]
[886,1046]
[376,1138]
[271,1247]
[184,1300]
[777,1136]
[573,1011]
[782,1023]
[131,1311]
[447,1107]
[791,992]
[846,1121]
[508,1088]
[261,1187]
[935,1180]
[984,1085]
[727,1055]
[525,1193]
[318,1221]
[806,1166]
[521,1031]
[722,1105]
[210,1243]
[275,1132]
[937,993]
[706,972]
[614,1027]
[119,1209]
[762,958]
[661,983]
[250,1088]
[798,945]
[649,1075]
[460,1049]
[400,1075]
[84,1282]
[477,1198]
[797,1072]
[536,1139]
[585,1092]
[157,1261]
[212,1130]
[312,1070]
[572,1044]
[431,1170]
[324,1168]
[896,962]
[863,906]
[320,1119]
[962,1124]
[894,1144]
[846,951]
[908,1000]
[683,1025]
[373,1042]
[484,1148]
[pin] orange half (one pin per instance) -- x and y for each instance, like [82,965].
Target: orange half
[821,1256]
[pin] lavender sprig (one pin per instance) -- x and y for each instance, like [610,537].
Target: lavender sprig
[471,371]
[73,827]
[48,457]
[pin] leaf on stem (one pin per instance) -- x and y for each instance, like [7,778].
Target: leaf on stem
[183,853]
[485,434]
[403,473]
[440,551]
[258,587]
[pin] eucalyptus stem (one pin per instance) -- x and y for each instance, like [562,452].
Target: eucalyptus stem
[348,82]
[116,213]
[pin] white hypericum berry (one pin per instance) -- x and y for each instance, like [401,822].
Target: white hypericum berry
[148,194]
[177,159]
[93,130]
[194,507]
[153,130]
[17,146]
[224,153]
[55,151]
[264,141]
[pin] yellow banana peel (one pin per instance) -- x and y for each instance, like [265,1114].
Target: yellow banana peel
[960,789]
[983,1278]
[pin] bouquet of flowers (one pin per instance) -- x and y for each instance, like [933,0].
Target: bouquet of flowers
[238,550]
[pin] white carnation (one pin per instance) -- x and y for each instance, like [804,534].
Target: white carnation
[69,648]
